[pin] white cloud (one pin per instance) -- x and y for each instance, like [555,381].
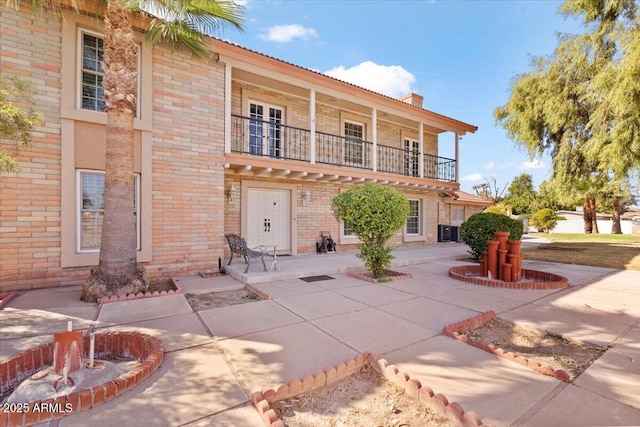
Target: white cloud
[489,166]
[286,33]
[391,80]
[533,164]
[474,177]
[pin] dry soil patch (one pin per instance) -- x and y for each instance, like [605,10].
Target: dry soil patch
[544,347]
[200,302]
[364,399]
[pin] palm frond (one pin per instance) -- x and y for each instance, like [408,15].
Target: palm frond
[186,22]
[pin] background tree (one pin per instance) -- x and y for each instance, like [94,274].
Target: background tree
[581,104]
[520,195]
[544,220]
[18,118]
[550,196]
[489,190]
[374,212]
[177,23]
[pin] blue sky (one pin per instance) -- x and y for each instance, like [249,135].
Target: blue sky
[461,55]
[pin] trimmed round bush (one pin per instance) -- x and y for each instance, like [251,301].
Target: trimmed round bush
[544,220]
[375,213]
[479,228]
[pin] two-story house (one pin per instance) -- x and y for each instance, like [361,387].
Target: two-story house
[242,143]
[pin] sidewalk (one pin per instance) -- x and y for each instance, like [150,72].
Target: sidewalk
[216,358]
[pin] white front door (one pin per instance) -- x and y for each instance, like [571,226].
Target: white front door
[269,218]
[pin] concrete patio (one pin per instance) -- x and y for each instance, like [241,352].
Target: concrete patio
[215,358]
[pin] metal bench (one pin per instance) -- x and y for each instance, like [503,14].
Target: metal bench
[238,245]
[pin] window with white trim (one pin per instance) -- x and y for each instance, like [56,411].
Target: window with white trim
[92,93]
[414,220]
[457,215]
[91,210]
[91,96]
[347,231]
[353,144]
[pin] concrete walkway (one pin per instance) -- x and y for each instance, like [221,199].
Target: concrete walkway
[215,358]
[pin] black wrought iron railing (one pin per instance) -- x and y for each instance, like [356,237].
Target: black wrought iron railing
[271,139]
[440,168]
[399,161]
[343,151]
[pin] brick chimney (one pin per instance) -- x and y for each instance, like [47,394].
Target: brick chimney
[413,99]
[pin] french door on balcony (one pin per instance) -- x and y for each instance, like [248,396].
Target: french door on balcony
[411,157]
[265,130]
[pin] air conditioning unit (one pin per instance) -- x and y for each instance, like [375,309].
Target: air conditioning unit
[455,233]
[444,233]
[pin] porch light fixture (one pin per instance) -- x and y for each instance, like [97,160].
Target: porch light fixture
[232,193]
[306,198]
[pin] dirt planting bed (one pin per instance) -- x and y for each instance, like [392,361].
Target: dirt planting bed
[364,399]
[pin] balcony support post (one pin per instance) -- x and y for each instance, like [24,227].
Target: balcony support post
[227,108]
[421,154]
[457,157]
[312,125]
[374,136]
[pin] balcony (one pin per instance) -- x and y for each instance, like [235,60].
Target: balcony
[276,141]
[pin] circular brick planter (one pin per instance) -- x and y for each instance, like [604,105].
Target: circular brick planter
[146,349]
[532,279]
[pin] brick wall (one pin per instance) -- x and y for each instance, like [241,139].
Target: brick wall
[188,158]
[30,46]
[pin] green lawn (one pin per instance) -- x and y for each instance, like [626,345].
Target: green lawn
[620,251]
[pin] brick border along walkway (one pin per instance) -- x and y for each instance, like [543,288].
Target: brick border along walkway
[144,348]
[341,371]
[454,331]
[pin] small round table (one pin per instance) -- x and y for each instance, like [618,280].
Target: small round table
[274,264]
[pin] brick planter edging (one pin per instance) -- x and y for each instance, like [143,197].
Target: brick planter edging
[454,331]
[141,295]
[262,294]
[262,399]
[145,348]
[542,279]
[396,276]
[7,297]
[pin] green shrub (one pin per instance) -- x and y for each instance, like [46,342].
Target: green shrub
[480,227]
[374,213]
[544,220]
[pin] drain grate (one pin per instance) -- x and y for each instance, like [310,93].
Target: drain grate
[317,278]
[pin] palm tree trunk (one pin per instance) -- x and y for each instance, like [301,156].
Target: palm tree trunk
[118,271]
[616,228]
[587,216]
[594,213]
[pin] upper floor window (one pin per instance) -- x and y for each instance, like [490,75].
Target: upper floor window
[92,54]
[91,74]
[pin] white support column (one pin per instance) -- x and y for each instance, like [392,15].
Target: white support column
[457,157]
[374,136]
[227,108]
[421,154]
[312,125]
